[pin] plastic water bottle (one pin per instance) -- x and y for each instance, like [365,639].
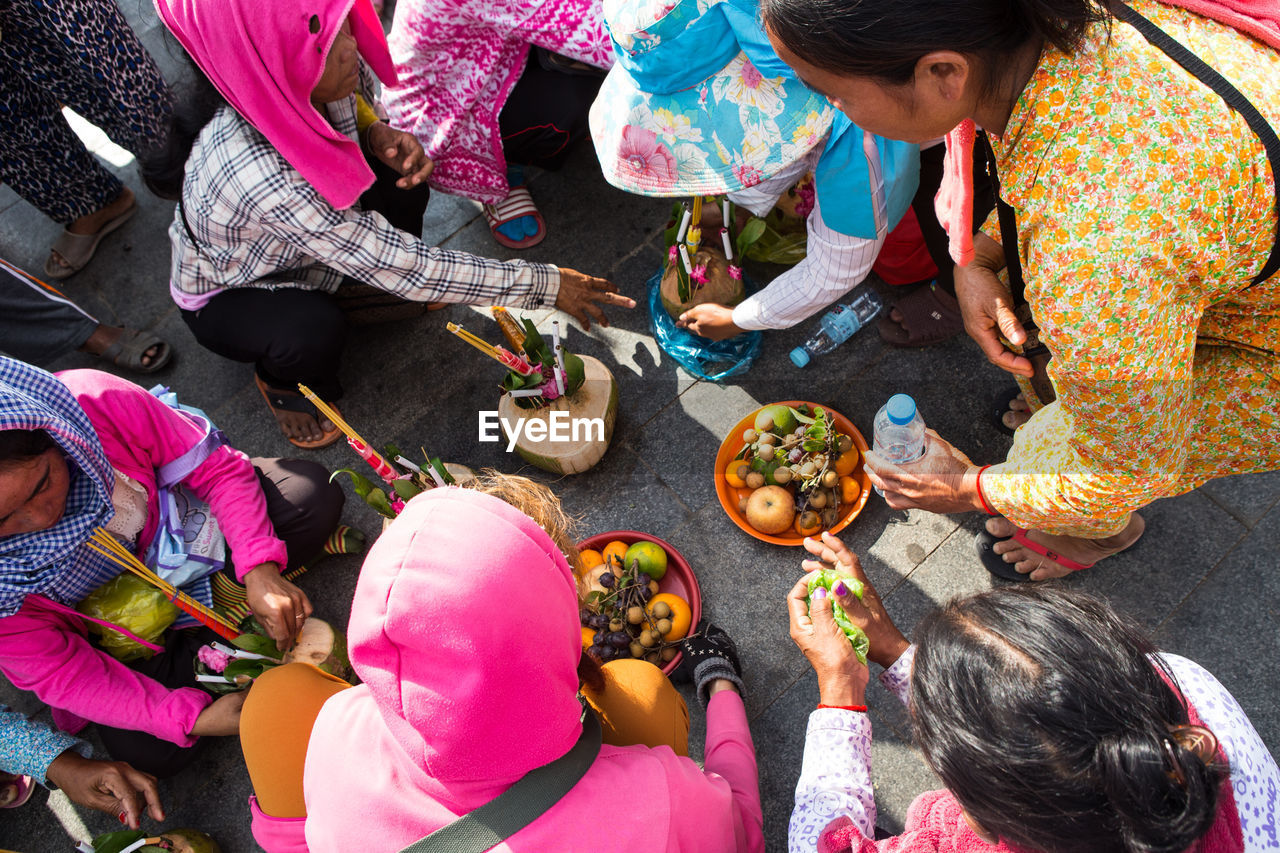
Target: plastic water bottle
[838,325]
[898,432]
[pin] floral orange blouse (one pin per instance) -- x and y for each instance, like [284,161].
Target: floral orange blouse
[1145,206]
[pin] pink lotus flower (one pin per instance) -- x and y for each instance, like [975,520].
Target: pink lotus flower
[672,255]
[215,660]
[748,175]
[735,272]
[699,274]
[648,160]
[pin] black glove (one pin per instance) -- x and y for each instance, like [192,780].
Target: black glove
[710,653]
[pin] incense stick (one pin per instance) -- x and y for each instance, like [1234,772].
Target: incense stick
[108,546]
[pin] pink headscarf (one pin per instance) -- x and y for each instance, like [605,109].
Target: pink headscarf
[265,59]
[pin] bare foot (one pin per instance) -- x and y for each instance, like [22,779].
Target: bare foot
[91,223]
[1081,550]
[1019,413]
[104,336]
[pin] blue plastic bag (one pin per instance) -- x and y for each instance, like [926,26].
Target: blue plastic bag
[704,358]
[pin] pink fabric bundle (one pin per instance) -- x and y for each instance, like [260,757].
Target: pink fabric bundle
[954,202]
[266,58]
[458,61]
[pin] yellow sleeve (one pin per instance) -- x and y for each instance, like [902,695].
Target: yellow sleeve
[1123,364]
[365,115]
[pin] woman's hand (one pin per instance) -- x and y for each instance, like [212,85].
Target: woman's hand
[887,642]
[113,787]
[581,296]
[401,151]
[279,605]
[221,717]
[842,679]
[710,320]
[987,307]
[943,480]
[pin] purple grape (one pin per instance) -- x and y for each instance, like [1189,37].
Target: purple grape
[796,455]
[645,594]
[607,653]
[620,639]
[585,617]
[606,579]
[599,621]
[643,579]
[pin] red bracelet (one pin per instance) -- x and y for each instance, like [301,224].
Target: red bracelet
[860,708]
[982,499]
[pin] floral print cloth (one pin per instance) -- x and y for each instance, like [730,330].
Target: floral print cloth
[27,748]
[458,60]
[1145,206]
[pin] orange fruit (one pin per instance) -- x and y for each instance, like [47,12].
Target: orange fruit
[815,523]
[588,637]
[849,489]
[848,461]
[731,473]
[615,552]
[650,557]
[590,558]
[681,615]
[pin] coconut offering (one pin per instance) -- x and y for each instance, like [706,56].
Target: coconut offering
[223,669]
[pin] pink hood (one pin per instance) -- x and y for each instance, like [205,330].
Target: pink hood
[464,629]
[265,60]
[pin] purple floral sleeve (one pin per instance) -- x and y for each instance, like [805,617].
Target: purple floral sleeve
[835,778]
[897,678]
[1255,779]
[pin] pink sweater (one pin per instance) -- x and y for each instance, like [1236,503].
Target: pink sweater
[46,650]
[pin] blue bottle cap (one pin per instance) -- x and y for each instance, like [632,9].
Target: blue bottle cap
[799,356]
[900,409]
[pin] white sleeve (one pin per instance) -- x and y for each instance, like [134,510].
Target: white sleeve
[897,677]
[1255,778]
[834,264]
[835,778]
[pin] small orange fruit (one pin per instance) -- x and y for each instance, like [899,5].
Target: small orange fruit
[848,461]
[615,552]
[808,523]
[849,489]
[588,637]
[590,558]
[731,473]
[681,615]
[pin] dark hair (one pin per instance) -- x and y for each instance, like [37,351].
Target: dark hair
[164,168]
[1043,714]
[885,39]
[19,445]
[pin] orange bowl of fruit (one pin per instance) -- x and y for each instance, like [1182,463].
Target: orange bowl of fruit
[640,598]
[790,470]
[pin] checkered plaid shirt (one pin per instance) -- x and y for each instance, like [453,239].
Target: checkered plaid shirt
[259,223]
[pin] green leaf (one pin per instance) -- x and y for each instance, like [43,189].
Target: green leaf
[595,596]
[673,225]
[751,232]
[391,451]
[813,445]
[801,416]
[575,372]
[114,842]
[406,489]
[379,501]
[359,481]
[684,284]
[257,644]
[534,346]
[251,668]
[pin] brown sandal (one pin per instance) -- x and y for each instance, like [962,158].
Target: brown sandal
[286,401]
[930,316]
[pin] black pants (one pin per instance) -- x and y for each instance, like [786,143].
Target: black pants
[935,236]
[546,113]
[304,508]
[294,335]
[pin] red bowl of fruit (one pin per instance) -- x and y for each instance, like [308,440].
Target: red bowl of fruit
[813,479]
[640,587]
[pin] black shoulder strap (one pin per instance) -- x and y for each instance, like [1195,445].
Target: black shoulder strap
[521,804]
[1219,84]
[1202,72]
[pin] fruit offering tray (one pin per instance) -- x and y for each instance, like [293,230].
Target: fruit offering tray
[790,470]
[640,598]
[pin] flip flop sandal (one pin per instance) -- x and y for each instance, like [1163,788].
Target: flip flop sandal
[518,203]
[930,316]
[283,401]
[985,541]
[128,349]
[77,250]
[21,786]
[1000,408]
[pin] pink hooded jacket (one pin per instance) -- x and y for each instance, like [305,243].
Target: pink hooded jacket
[464,629]
[46,649]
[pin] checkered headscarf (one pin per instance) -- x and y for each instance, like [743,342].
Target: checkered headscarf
[54,562]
